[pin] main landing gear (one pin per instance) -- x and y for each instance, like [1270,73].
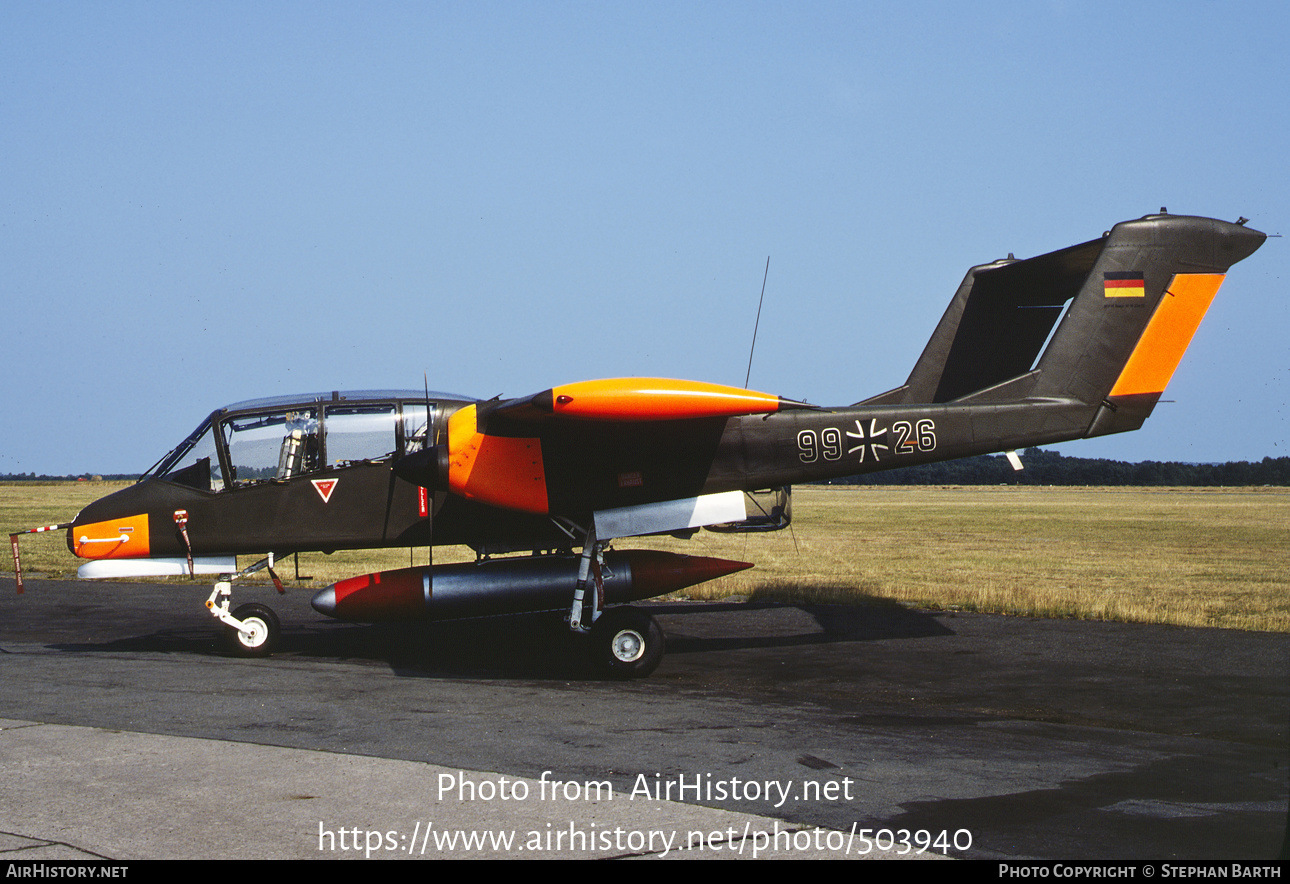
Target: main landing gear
[625,641]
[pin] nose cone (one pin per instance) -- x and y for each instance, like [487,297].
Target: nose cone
[117,525]
[121,538]
[371,598]
[324,601]
[658,573]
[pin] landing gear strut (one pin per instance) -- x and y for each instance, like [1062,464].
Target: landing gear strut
[253,629]
[624,642]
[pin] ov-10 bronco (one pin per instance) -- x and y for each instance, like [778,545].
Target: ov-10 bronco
[1072,344]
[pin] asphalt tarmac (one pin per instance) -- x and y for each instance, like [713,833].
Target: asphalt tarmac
[128,731]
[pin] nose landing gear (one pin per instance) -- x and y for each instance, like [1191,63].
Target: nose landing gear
[253,629]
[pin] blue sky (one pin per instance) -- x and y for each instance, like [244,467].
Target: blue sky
[204,203]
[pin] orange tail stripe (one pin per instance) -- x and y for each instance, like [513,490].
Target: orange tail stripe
[1167,335]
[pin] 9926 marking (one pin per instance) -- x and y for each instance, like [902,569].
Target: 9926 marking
[873,441]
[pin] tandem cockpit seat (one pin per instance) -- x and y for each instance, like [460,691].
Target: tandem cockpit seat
[292,455]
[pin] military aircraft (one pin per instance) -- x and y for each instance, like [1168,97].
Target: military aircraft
[1076,343]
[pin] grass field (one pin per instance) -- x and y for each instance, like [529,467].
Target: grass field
[1186,556]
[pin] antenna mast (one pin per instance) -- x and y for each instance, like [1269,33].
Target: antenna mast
[758,322]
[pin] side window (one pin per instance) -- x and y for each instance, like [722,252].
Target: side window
[414,427]
[198,467]
[274,445]
[359,433]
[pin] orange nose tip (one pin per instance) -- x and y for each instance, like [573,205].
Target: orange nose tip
[125,538]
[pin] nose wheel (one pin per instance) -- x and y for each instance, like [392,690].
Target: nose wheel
[259,631]
[626,643]
[251,630]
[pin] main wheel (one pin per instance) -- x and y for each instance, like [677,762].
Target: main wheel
[627,643]
[264,627]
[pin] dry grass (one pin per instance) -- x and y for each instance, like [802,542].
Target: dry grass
[1194,557]
[1191,557]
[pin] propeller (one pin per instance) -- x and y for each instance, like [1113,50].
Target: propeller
[429,466]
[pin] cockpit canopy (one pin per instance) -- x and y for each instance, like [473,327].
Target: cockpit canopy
[273,440]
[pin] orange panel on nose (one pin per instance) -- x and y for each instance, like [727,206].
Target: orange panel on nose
[114,539]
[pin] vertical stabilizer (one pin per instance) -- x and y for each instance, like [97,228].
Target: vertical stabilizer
[1103,323]
[1131,322]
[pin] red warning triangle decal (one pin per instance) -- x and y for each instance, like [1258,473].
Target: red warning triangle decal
[324,487]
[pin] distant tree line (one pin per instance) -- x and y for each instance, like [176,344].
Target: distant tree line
[1041,468]
[1051,468]
[82,477]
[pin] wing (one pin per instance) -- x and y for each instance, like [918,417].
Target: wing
[536,454]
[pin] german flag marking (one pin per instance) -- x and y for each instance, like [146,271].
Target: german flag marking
[1122,284]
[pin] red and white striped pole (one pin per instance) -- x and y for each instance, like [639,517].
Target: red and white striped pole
[13,542]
